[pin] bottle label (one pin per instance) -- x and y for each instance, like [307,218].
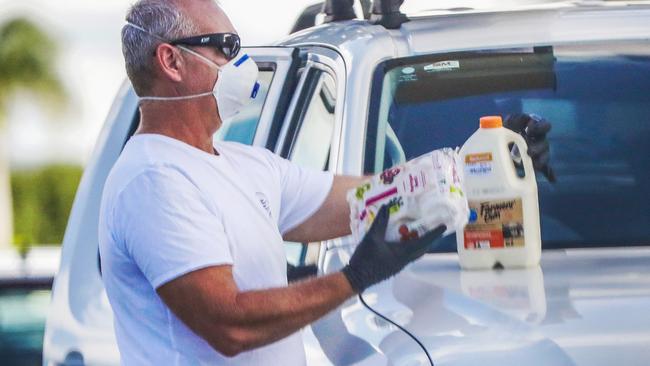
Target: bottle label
[478,164]
[495,224]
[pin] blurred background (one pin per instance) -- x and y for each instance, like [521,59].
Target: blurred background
[60,68]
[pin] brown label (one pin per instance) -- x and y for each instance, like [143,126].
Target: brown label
[495,224]
[478,158]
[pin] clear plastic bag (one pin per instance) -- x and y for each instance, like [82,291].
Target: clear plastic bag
[422,194]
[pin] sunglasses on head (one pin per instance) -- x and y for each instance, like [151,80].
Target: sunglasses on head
[228,44]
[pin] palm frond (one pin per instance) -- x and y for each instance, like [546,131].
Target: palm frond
[28,62]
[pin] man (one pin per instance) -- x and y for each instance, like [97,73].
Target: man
[191,232]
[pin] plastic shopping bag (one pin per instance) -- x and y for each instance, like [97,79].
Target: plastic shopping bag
[422,194]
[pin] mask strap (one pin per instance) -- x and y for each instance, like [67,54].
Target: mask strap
[177,98]
[146,31]
[203,58]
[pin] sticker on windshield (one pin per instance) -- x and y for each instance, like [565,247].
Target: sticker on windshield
[442,66]
[408,70]
[407,74]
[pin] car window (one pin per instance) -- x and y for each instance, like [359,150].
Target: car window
[22,325]
[311,148]
[312,145]
[596,96]
[242,127]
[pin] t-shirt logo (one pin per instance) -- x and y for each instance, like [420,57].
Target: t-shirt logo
[265,202]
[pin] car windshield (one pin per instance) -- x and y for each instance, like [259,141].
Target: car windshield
[596,96]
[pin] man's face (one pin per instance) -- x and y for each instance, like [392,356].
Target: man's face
[198,76]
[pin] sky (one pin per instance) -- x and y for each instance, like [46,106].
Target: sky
[92,69]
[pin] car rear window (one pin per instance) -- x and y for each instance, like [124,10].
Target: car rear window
[596,96]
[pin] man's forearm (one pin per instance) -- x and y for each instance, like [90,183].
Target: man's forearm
[265,316]
[332,220]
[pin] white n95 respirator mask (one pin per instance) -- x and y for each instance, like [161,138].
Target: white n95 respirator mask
[236,84]
[235,88]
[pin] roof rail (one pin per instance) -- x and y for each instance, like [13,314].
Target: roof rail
[382,12]
[366,5]
[336,10]
[387,13]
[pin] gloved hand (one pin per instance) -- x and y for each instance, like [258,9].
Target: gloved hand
[376,259]
[533,129]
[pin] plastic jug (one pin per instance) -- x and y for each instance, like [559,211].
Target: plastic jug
[503,225]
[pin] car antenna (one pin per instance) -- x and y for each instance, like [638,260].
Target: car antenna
[337,10]
[387,14]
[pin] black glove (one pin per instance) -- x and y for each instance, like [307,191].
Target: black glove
[375,259]
[533,129]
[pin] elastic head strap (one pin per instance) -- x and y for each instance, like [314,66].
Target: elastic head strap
[146,31]
[142,99]
[205,59]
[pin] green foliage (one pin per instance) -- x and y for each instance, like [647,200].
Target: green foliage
[42,199]
[27,56]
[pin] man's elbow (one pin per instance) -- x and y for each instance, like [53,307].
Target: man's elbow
[231,341]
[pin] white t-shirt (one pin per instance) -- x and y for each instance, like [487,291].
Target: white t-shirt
[169,209]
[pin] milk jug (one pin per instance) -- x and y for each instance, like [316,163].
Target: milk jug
[503,225]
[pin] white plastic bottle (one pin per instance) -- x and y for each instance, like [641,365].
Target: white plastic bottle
[504,210]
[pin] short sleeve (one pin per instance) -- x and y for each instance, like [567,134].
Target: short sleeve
[303,192]
[167,227]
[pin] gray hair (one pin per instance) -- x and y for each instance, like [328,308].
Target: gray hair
[161,18]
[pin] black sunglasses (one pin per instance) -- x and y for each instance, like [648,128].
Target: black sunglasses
[227,43]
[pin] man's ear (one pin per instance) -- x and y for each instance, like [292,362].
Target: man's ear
[169,61]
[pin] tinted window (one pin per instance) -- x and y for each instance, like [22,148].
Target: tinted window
[597,97]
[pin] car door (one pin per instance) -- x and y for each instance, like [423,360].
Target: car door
[310,137]
[79,329]
[306,141]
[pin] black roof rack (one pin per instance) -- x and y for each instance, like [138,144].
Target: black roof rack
[387,13]
[337,10]
[307,18]
[383,12]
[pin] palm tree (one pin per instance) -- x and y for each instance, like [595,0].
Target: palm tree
[27,57]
